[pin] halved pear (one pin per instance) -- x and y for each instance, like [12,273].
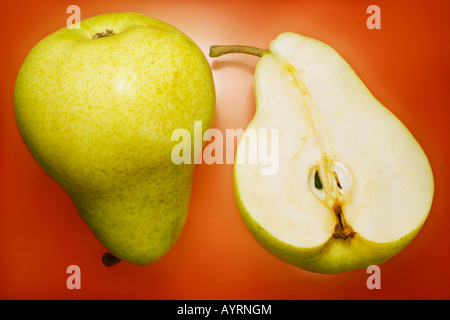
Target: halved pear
[353,187]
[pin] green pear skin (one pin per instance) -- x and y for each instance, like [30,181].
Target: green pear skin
[96,106]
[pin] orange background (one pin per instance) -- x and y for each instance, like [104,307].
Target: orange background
[405,65]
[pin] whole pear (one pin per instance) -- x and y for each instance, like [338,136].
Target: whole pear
[96,105]
[354,187]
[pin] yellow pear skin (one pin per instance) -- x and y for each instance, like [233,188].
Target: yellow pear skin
[96,106]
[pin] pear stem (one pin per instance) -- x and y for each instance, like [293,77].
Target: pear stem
[107,33]
[109,259]
[219,50]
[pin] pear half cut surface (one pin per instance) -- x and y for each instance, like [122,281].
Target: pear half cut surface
[97,105]
[353,187]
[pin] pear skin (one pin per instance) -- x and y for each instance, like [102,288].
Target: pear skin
[96,106]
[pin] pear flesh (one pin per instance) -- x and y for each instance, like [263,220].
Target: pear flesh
[353,188]
[96,106]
